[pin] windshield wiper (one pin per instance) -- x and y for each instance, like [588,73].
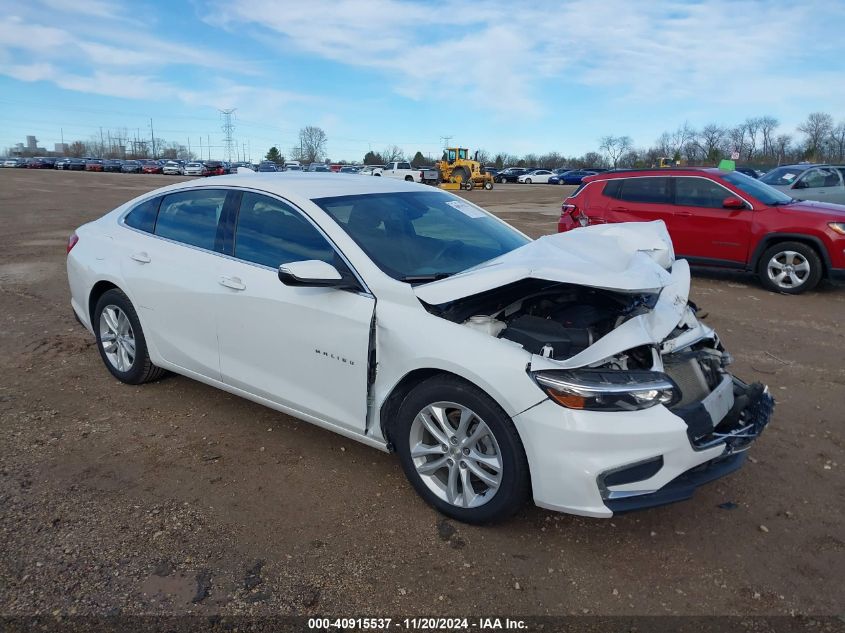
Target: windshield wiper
[418,279]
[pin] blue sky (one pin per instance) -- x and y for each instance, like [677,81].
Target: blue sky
[501,76]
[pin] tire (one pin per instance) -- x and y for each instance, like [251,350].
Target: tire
[790,268]
[499,443]
[409,179]
[133,369]
[527,181]
[488,185]
[377,175]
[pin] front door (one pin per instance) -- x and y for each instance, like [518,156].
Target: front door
[822,183]
[703,228]
[303,348]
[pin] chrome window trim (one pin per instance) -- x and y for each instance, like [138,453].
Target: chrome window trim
[121,222]
[745,200]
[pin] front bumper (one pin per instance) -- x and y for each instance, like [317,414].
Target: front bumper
[598,463]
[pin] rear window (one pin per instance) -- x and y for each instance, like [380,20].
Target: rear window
[191,217]
[143,216]
[646,190]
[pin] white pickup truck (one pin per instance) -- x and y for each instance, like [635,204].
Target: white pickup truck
[401,170]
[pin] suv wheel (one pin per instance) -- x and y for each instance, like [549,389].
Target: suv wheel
[121,341]
[461,452]
[790,267]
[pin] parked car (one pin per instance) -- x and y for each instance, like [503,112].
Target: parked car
[267,166]
[196,169]
[370,170]
[131,167]
[149,166]
[319,167]
[510,174]
[490,170]
[72,164]
[234,166]
[724,219]
[11,162]
[535,176]
[586,383]
[94,164]
[349,169]
[41,162]
[216,168]
[748,171]
[572,177]
[113,165]
[824,183]
[292,167]
[172,168]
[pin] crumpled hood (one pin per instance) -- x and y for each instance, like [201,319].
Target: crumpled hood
[632,256]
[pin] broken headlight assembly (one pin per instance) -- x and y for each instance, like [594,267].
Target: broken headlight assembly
[607,390]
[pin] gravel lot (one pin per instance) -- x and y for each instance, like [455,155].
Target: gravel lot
[175,497]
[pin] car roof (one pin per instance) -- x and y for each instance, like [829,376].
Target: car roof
[307,185]
[654,171]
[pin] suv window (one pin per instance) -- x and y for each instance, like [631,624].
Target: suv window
[191,217]
[654,190]
[270,232]
[822,177]
[611,190]
[699,192]
[143,216]
[404,165]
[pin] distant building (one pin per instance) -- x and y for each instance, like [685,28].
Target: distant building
[31,144]
[61,148]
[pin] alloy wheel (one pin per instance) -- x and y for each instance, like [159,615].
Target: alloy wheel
[117,338]
[788,269]
[456,454]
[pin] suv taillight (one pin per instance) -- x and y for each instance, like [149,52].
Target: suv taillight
[72,241]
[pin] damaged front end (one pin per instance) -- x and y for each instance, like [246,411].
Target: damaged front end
[619,348]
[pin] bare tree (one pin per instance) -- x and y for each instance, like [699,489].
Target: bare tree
[711,140]
[614,147]
[392,153]
[737,138]
[752,128]
[768,125]
[312,144]
[782,147]
[817,129]
[837,143]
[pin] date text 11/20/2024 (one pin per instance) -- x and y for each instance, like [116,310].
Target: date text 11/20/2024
[417,624]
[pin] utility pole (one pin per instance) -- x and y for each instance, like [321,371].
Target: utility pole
[208,138]
[153,138]
[101,142]
[228,129]
[445,140]
[189,147]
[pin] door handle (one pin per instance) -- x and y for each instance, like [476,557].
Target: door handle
[683,214]
[142,257]
[620,209]
[231,282]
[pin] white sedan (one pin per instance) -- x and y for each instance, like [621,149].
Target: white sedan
[538,175]
[570,369]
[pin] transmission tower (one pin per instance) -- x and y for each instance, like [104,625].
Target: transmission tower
[228,129]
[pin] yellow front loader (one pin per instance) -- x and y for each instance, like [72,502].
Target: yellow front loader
[458,171]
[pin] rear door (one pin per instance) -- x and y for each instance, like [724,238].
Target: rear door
[171,268]
[303,348]
[640,199]
[703,228]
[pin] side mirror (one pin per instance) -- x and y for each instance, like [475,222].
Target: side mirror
[733,203]
[801,184]
[311,273]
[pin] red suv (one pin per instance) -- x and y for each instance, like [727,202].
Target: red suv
[721,218]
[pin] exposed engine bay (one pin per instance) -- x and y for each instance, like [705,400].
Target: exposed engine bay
[553,320]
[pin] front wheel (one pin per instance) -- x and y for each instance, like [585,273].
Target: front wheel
[461,452]
[527,181]
[790,267]
[121,341]
[488,185]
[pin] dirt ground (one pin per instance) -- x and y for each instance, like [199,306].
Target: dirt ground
[175,497]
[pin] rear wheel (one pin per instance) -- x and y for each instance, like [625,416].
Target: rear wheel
[461,452]
[409,179]
[121,341]
[488,185]
[790,267]
[460,174]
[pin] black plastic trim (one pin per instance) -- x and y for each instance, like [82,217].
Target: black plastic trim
[680,488]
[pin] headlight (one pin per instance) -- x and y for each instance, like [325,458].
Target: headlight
[839,227]
[607,390]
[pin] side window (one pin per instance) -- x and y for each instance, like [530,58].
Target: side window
[613,188]
[655,190]
[143,216]
[191,217]
[404,165]
[271,233]
[699,192]
[822,177]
